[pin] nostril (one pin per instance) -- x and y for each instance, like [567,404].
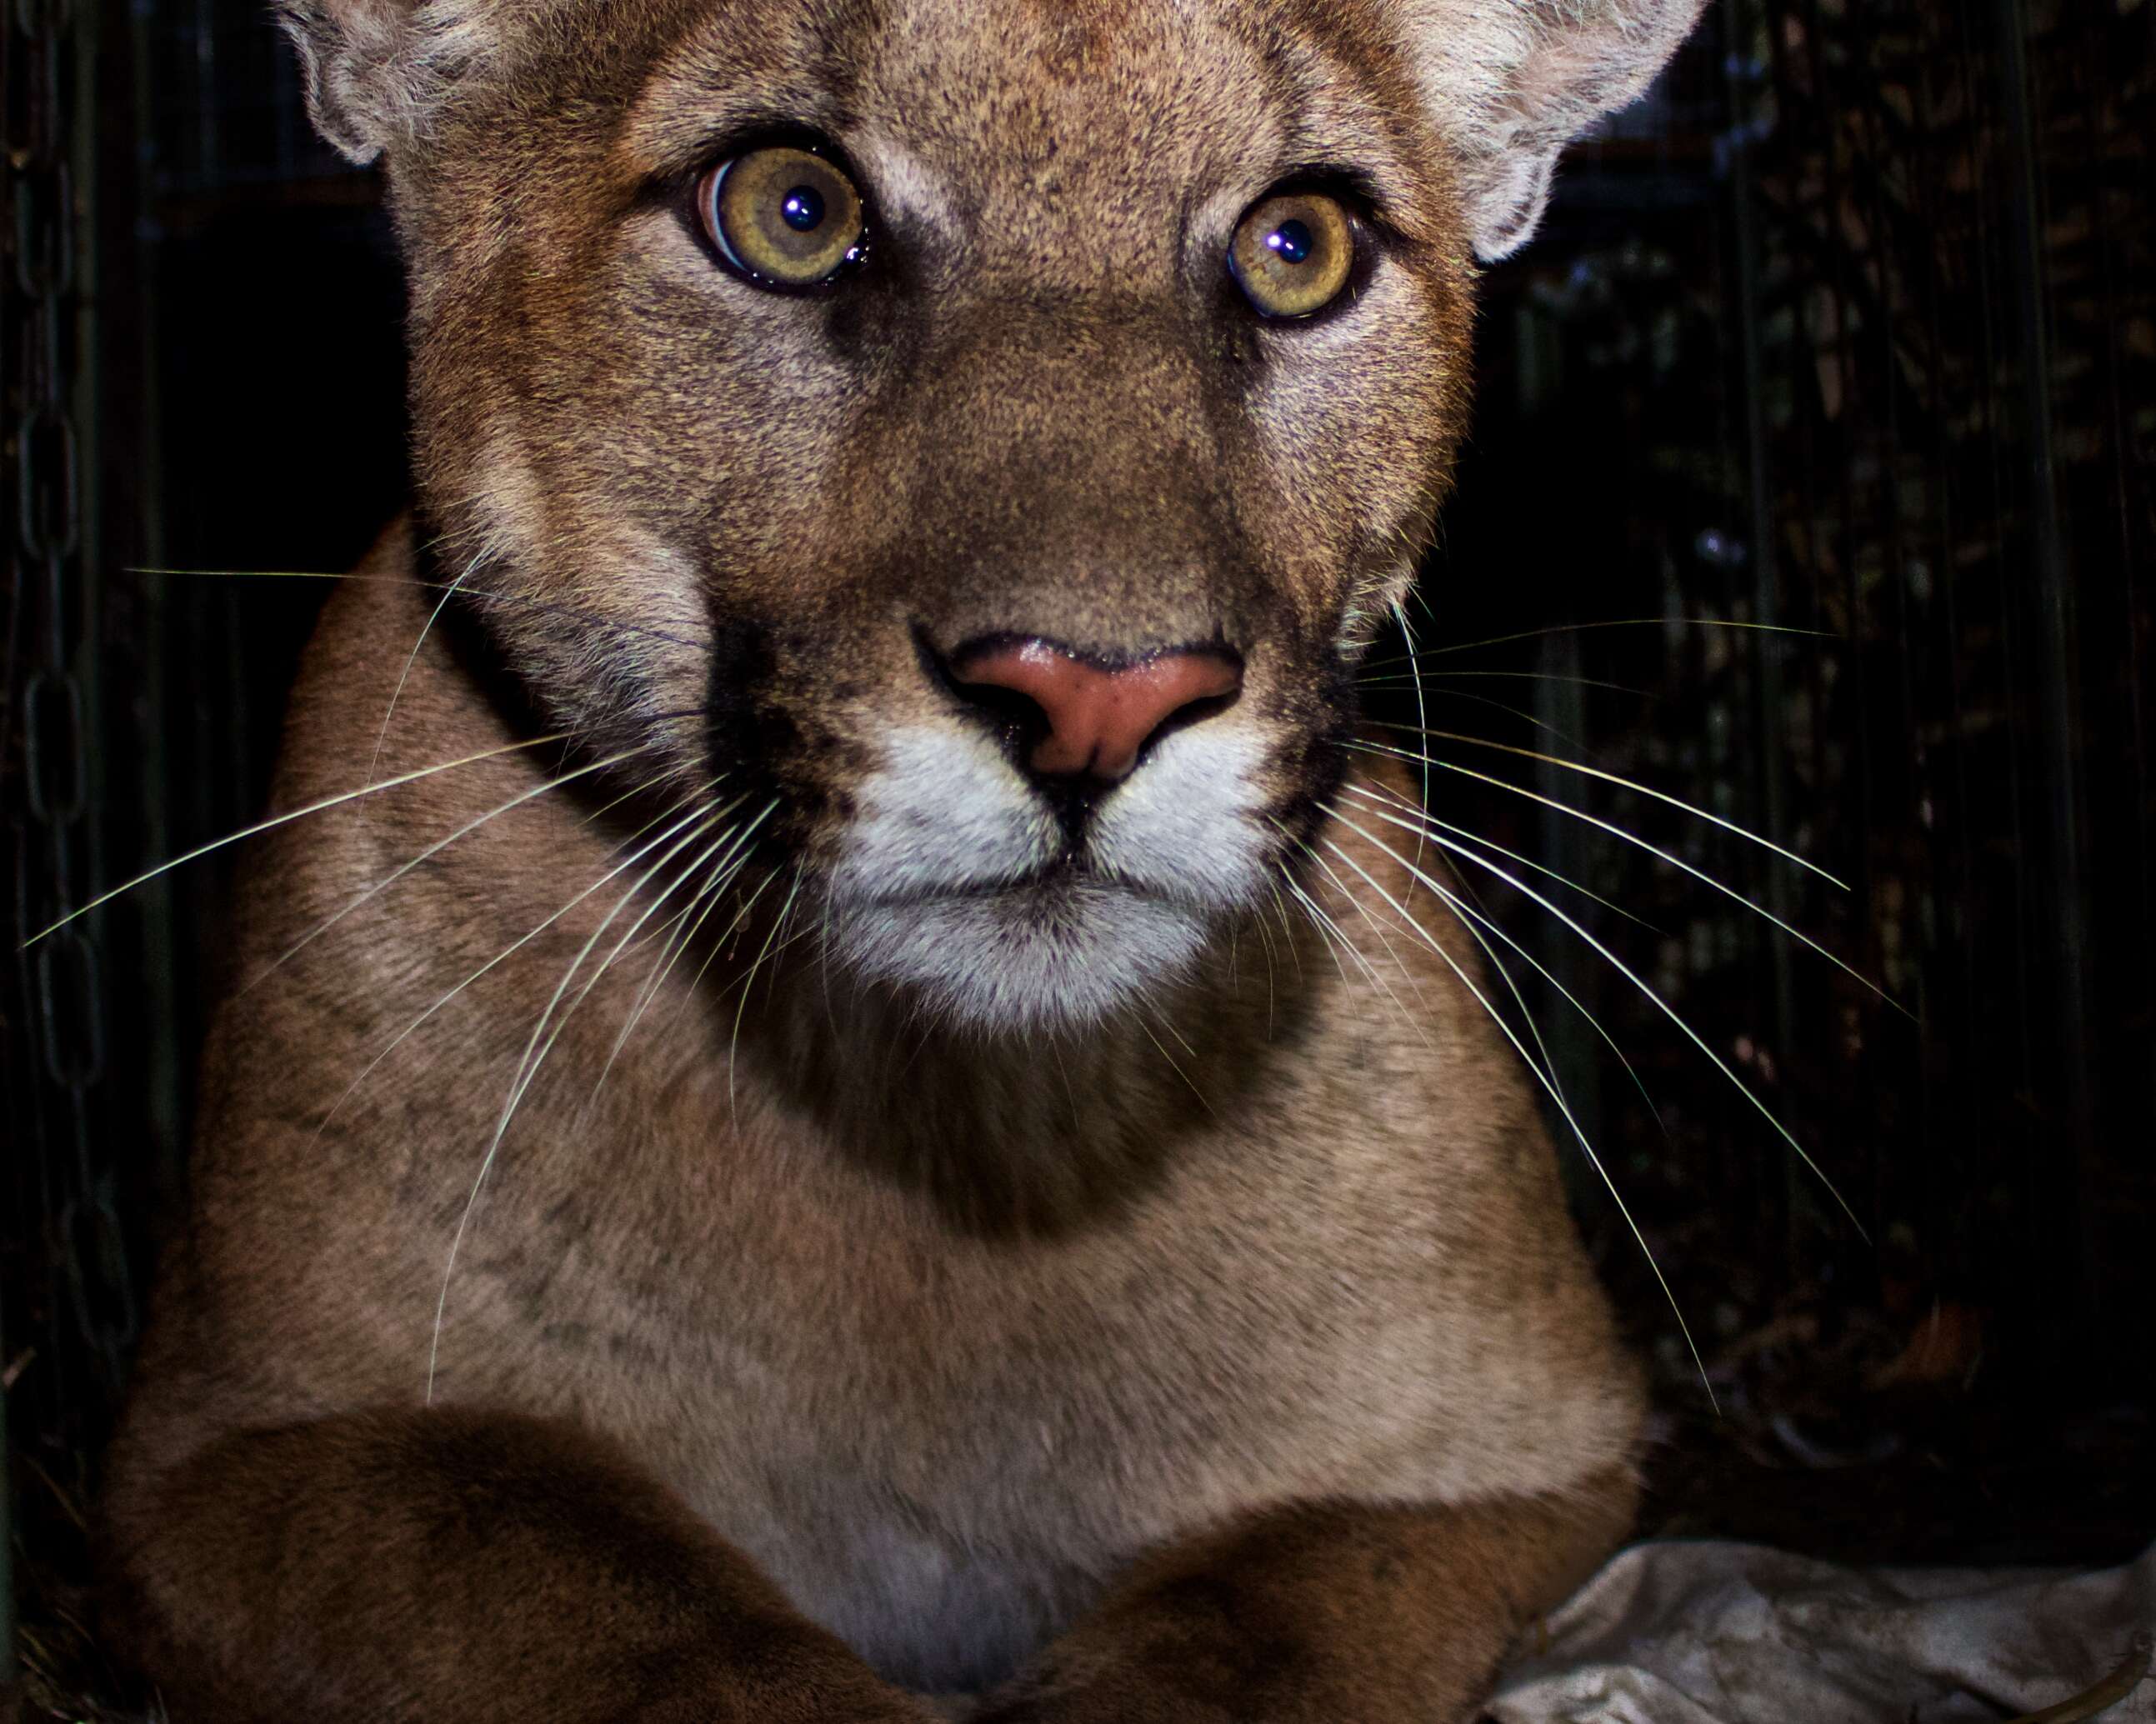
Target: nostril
[1082,717]
[1006,709]
[1186,689]
[1216,699]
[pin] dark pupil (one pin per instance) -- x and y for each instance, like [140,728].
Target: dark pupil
[1291,241]
[804,208]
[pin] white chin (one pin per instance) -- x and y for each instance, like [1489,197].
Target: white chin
[1026,959]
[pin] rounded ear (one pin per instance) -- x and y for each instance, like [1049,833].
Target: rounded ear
[375,69]
[1512,82]
[349,49]
[1505,199]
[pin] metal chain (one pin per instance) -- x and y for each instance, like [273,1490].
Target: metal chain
[49,703]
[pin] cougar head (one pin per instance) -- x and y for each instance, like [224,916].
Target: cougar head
[984,435]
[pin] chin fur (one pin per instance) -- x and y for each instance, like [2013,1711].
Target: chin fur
[1024,959]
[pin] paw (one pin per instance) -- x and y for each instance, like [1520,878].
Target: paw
[1107,1701]
[705,1709]
[835,1691]
[1098,1708]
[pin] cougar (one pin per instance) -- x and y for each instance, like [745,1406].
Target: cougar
[857,1097]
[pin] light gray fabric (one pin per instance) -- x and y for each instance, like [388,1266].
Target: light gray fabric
[1701,1633]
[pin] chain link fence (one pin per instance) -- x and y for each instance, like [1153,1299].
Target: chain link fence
[70,1314]
[172,228]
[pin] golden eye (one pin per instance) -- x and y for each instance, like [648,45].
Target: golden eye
[1293,252]
[784,218]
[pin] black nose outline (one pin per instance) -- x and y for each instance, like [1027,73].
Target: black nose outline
[1022,724]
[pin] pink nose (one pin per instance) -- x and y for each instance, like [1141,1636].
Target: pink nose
[1099,718]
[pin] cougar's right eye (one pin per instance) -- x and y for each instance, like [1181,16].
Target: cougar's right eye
[784,218]
[1293,254]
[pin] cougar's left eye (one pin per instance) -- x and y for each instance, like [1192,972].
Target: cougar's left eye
[784,218]
[1293,254]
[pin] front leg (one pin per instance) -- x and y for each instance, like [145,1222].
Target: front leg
[455,1567]
[1327,1613]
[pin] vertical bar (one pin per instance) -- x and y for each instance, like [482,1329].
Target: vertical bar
[10,1674]
[10,1670]
[1766,571]
[166,1080]
[208,165]
[1575,1052]
[2058,832]
[1538,343]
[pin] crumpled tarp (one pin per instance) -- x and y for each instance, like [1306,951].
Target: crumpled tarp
[1705,1633]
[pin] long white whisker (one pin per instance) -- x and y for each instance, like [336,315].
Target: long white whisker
[1469,915]
[723,872]
[1329,930]
[688,871]
[1265,939]
[495,596]
[1646,988]
[1422,704]
[502,956]
[1172,1065]
[1510,711]
[1445,676]
[1470,646]
[1181,1040]
[276,820]
[1557,1097]
[699,822]
[1287,931]
[1586,770]
[1422,714]
[740,1010]
[432,850]
[1391,799]
[734,863]
[743,911]
[1455,908]
[671,936]
[1652,849]
[397,694]
[1362,909]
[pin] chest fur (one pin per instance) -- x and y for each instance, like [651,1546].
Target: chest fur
[943,1445]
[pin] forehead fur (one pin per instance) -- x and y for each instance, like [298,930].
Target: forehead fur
[1497,87]
[1102,132]
[964,106]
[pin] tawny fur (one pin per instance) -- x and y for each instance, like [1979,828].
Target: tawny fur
[1197,1335]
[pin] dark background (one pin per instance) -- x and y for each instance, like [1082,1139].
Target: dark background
[1850,331]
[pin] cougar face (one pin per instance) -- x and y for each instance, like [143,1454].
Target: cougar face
[1014,570]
